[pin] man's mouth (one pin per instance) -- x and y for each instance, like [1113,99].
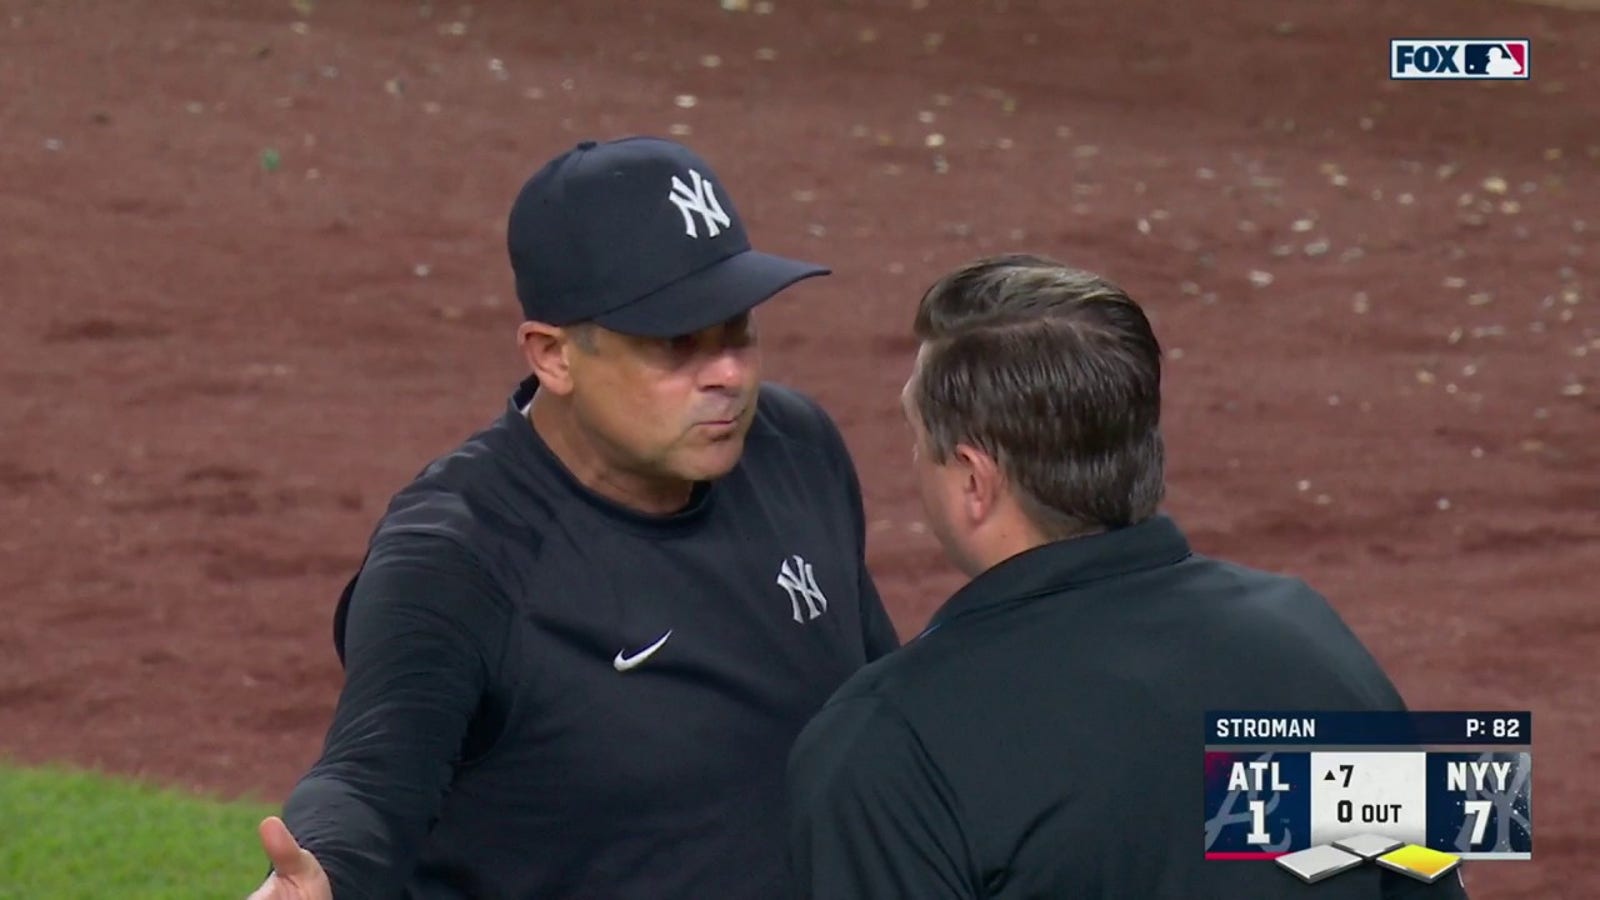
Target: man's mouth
[723,420]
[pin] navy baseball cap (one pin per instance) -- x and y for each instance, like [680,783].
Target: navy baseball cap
[639,236]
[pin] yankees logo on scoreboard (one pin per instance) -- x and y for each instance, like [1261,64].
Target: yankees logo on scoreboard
[1321,793]
[1479,804]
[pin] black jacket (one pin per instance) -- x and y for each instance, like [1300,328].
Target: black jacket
[550,695]
[1044,737]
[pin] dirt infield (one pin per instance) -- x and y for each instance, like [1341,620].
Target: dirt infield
[253,276]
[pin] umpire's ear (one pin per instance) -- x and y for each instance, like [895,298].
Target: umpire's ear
[548,350]
[983,483]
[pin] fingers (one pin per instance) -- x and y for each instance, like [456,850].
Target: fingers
[282,851]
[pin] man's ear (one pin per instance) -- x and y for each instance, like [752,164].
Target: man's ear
[548,350]
[983,484]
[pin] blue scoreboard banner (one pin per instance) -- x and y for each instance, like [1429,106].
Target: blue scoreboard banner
[1325,791]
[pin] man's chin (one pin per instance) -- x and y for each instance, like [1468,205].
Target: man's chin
[717,457]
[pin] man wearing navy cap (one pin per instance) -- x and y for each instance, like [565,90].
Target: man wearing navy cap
[581,644]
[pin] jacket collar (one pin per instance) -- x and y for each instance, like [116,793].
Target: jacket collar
[1062,565]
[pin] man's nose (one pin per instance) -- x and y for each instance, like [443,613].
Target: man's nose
[728,367]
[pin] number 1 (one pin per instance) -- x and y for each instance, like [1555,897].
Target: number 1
[1258,823]
[1479,811]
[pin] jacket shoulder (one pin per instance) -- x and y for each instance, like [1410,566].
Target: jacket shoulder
[461,508]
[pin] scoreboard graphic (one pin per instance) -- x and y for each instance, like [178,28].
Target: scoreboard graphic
[1323,792]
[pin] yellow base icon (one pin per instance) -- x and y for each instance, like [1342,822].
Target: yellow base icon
[1420,863]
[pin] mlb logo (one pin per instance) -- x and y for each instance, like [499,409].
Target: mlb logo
[1456,58]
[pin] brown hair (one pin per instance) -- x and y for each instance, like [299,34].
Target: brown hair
[1056,374]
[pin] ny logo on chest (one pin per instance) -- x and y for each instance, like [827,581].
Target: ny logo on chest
[795,576]
[806,603]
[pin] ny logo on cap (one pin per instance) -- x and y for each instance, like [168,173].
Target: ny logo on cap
[701,199]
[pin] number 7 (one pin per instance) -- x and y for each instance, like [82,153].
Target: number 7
[1479,811]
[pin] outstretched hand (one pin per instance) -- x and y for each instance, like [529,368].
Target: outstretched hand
[296,873]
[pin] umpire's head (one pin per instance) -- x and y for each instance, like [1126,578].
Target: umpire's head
[1035,402]
[637,282]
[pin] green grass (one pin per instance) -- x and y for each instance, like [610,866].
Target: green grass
[68,835]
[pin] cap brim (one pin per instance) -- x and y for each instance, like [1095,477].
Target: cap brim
[710,296]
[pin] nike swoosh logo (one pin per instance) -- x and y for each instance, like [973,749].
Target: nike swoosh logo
[623,662]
